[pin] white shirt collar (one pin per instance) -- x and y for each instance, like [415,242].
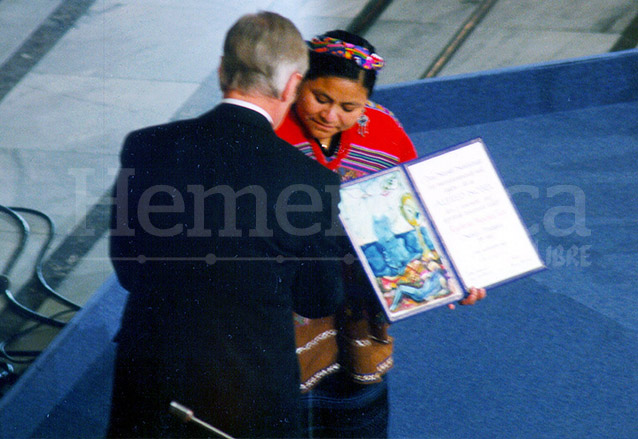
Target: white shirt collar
[250,106]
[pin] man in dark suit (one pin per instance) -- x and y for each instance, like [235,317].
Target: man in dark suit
[219,231]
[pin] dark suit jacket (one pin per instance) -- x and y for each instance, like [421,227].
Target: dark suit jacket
[219,231]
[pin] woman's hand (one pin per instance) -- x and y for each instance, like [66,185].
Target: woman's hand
[473,296]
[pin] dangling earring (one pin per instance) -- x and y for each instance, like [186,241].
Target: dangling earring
[363,124]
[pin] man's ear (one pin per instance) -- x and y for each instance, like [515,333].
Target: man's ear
[290,91]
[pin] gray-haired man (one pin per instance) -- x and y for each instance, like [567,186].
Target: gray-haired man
[215,222]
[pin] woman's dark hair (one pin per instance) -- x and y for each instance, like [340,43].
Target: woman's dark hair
[322,64]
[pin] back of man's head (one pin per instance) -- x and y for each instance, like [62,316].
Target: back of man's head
[261,52]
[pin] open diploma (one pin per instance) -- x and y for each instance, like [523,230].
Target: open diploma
[429,229]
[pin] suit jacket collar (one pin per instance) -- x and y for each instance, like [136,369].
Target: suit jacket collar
[237,114]
[248,105]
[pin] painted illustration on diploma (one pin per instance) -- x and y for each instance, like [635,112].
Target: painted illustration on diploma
[400,253]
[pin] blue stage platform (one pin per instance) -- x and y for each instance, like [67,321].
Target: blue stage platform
[554,355]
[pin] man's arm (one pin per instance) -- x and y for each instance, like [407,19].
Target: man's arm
[122,241]
[318,287]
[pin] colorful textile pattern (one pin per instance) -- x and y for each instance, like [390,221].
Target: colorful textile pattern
[368,160]
[358,54]
[383,109]
[383,145]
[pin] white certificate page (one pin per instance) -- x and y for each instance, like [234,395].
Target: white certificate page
[474,216]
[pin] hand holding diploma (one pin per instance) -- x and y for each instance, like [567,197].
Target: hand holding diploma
[473,296]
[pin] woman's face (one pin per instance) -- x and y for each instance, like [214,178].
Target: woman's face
[329,105]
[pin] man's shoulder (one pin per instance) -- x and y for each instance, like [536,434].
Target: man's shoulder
[161,131]
[158,141]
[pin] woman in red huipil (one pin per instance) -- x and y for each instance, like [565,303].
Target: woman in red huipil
[344,358]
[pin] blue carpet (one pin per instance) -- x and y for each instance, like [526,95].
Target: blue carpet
[574,178]
[66,392]
[553,355]
[526,363]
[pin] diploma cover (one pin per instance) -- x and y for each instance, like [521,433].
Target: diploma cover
[427,230]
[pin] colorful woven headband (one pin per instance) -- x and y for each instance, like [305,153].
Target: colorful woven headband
[358,54]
